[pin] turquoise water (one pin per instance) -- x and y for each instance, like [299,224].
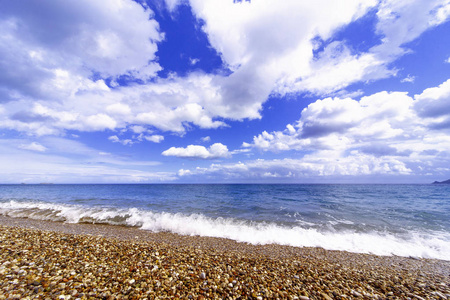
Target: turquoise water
[407,220]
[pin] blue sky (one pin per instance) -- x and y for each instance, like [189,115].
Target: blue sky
[224,91]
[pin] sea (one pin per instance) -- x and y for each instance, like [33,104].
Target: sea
[389,219]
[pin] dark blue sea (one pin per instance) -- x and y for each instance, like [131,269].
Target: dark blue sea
[404,220]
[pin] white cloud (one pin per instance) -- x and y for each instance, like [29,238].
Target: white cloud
[136,139]
[216,150]
[116,139]
[325,165]
[33,147]
[206,139]
[402,133]
[409,79]
[433,106]
[68,161]
[80,37]
[447,60]
[138,129]
[118,109]
[154,138]
[172,4]
[276,54]
[267,45]
[168,105]
[442,13]
[50,52]
[401,22]
[334,123]
[193,61]
[99,122]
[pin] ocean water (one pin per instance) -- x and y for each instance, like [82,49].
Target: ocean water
[404,220]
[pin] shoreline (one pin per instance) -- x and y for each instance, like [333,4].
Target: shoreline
[141,264]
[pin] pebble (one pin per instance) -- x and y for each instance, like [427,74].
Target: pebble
[440,295]
[60,265]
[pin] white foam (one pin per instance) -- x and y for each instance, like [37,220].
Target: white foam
[416,244]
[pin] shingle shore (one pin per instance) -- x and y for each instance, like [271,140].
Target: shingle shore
[48,260]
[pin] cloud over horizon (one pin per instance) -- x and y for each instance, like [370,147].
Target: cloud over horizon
[216,150]
[379,134]
[338,80]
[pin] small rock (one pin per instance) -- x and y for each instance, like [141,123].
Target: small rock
[436,293]
[326,297]
[35,283]
[416,296]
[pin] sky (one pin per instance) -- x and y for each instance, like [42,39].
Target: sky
[196,91]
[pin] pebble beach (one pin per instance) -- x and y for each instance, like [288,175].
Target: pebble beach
[52,260]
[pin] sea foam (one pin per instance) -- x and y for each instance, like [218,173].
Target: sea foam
[435,244]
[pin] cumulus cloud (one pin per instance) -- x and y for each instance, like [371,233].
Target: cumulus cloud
[325,165]
[49,63]
[167,104]
[409,79]
[51,52]
[277,55]
[388,129]
[54,70]
[216,150]
[432,106]
[334,123]
[156,138]
[99,122]
[77,38]
[267,43]
[433,102]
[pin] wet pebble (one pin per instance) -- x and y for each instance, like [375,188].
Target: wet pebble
[54,265]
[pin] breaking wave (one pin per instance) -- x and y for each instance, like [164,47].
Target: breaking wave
[432,244]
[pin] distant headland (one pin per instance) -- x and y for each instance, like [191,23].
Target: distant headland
[442,182]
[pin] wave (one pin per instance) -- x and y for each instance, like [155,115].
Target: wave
[434,244]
